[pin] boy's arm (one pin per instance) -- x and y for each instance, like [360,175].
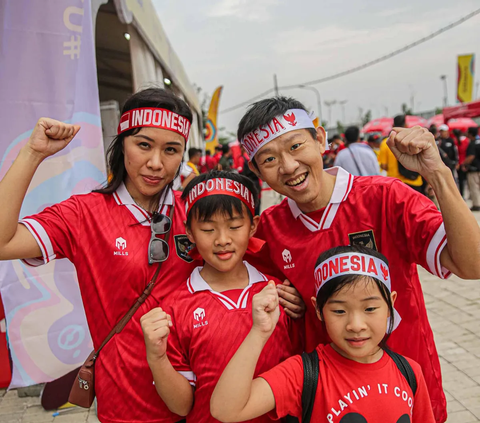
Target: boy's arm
[174,389]
[237,397]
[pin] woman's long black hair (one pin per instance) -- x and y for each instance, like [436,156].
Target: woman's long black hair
[150,97]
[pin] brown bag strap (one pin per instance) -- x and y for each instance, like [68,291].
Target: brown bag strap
[140,300]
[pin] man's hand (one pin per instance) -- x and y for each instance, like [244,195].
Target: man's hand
[50,136]
[156,328]
[265,310]
[291,300]
[415,148]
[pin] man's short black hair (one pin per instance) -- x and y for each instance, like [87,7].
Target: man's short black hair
[208,153]
[352,134]
[472,131]
[225,148]
[399,121]
[192,152]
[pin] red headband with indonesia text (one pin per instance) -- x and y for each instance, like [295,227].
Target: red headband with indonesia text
[154,118]
[220,186]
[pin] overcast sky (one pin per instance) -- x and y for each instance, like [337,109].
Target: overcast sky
[240,44]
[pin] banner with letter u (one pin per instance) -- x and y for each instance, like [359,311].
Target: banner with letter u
[48,69]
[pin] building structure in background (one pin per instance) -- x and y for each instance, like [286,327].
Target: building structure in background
[133,52]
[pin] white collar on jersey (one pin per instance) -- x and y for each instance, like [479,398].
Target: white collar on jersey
[196,283]
[123,198]
[343,186]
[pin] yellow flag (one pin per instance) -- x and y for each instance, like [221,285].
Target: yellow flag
[211,135]
[465,78]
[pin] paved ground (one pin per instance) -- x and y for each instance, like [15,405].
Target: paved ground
[454,311]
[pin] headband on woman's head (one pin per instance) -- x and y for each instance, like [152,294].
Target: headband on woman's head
[354,264]
[291,120]
[154,118]
[220,186]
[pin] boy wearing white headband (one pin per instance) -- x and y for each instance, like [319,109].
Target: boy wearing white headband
[329,208]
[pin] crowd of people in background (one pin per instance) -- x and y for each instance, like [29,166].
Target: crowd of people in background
[370,155]
[223,159]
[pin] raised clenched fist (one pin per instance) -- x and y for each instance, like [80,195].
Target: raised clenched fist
[156,328]
[265,310]
[50,136]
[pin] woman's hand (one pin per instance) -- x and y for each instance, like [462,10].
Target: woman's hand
[291,300]
[50,136]
[265,310]
[156,328]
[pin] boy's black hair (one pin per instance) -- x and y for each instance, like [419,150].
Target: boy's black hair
[336,284]
[352,134]
[399,121]
[472,131]
[225,148]
[192,152]
[206,207]
[262,112]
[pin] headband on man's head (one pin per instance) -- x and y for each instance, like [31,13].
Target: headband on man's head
[154,118]
[220,186]
[291,120]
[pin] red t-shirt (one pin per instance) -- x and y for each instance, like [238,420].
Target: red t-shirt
[351,392]
[378,212]
[106,237]
[209,327]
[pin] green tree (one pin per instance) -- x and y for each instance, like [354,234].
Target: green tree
[406,110]
[340,127]
[438,110]
[367,117]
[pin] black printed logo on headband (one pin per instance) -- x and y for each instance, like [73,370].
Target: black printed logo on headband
[365,239]
[183,246]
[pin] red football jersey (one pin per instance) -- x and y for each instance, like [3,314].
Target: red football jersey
[381,213]
[209,327]
[351,392]
[106,237]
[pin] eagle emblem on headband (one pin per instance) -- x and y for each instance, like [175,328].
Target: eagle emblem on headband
[290,119]
[384,271]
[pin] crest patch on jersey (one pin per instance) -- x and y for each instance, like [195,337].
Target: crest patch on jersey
[183,246]
[364,238]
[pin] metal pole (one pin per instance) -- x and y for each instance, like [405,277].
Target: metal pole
[319,100]
[445,91]
[275,84]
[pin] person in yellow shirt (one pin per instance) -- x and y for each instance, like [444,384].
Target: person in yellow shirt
[194,156]
[389,163]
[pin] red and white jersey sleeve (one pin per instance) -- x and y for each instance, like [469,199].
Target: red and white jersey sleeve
[56,230]
[415,222]
[176,354]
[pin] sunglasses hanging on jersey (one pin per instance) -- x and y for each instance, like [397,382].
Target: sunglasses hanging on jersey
[158,248]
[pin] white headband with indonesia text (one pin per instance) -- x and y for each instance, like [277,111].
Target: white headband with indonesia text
[155,118]
[354,264]
[351,264]
[291,120]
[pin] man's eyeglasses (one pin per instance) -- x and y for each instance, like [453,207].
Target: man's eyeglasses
[158,248]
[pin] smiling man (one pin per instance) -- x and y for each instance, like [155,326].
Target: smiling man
[325,209]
